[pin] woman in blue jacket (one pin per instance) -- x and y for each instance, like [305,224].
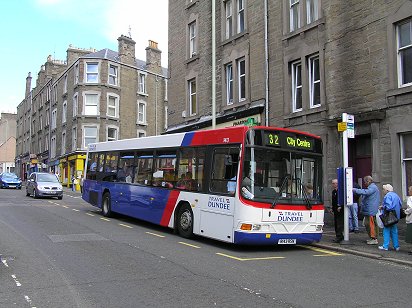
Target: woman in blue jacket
[391,201]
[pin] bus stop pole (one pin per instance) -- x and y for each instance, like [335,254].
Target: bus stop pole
[345,166]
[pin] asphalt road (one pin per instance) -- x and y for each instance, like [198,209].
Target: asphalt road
[63,253]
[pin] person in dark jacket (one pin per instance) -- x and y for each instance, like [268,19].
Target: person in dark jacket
[337,213]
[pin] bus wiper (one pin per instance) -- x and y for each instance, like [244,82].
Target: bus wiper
[285,180]
[305,195]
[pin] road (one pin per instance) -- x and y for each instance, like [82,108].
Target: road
[64,253]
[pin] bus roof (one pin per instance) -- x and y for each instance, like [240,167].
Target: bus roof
[228,135]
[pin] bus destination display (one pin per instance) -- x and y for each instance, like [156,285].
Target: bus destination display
[284,139]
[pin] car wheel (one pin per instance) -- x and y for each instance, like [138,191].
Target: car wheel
[60,197]
[185,221]
[35,194]
[27,192]
[106,205]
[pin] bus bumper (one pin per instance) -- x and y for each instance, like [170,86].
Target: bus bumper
[248,238]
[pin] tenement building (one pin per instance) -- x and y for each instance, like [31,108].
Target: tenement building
[300,64]
[92,96]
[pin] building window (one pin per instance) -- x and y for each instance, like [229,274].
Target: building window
[74,139]
[294,14]
[63,149]
[166,113]
[64,112]
[141,113]
[296,86]
[314,81]
[112,105]
[142,83]
[53,146]
[75,104]
[141,133]
[192,39]
[90,134]
[54,119]
[240,16]
[47,117]
[91,104]
[192,96]
[404,31]
[92,72]
[312,7]
[229,84]
[406,153]
[112,133]
[229,18]
[65,84]
[113,73]
[241,69]
[76,73]
[41,122]
[165,89]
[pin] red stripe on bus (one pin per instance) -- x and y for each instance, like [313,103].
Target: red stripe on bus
[170,206]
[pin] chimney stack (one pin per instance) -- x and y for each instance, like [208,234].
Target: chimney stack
[28,84]
[126,49]
[153,58]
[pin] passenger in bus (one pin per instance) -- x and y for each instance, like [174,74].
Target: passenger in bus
[93,166]
[309,190]
[186,182]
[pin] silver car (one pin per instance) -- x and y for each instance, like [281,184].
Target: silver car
[42,184]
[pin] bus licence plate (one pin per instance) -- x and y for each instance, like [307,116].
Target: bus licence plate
[287,241]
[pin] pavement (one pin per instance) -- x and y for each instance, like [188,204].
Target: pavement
[357,242]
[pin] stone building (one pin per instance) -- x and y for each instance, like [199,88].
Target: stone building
[301,64]
[93,96]
[7,141]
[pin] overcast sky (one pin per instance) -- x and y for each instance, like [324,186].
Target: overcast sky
[33,29]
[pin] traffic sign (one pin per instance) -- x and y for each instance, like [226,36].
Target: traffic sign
[342,126]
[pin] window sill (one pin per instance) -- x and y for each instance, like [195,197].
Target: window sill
[142,94]
[142,123]
[305,112]
[190,4]
[236,105]
[234,38]
[301,31]
[192,59]
[399,91]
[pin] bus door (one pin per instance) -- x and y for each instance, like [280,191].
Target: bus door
[217,212]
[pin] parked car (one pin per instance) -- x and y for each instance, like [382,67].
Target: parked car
[42,184]
[9,180]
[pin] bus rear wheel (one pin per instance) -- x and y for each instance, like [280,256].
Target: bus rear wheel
[106,205]
[185,221]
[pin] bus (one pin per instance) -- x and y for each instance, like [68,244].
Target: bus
[243,185]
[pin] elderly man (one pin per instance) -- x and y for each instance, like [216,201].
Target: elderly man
[370,204]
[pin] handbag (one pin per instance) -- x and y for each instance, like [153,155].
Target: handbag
[402,213]
[389,218]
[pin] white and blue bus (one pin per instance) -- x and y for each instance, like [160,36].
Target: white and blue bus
[242,185]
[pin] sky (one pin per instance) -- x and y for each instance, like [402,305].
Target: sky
[31,30]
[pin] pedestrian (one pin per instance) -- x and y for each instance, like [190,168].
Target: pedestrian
[370,204]
[408,212]
[391,201]
[353,212]
[337,213]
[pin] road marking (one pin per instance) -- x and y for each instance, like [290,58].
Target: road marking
[76,210]
[65,206]
[29,301]
[123,225]
[248,259]
[105,219]
[4,262]
[158,235]
[190,245]
[326,253]
[16,281]
[89,214]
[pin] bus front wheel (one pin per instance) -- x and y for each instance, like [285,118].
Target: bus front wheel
[106,205]
[185,221]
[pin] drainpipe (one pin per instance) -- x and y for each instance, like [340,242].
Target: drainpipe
[213,64]
[156,105]
[266,67]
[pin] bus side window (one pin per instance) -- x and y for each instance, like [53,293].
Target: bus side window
[225,164]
